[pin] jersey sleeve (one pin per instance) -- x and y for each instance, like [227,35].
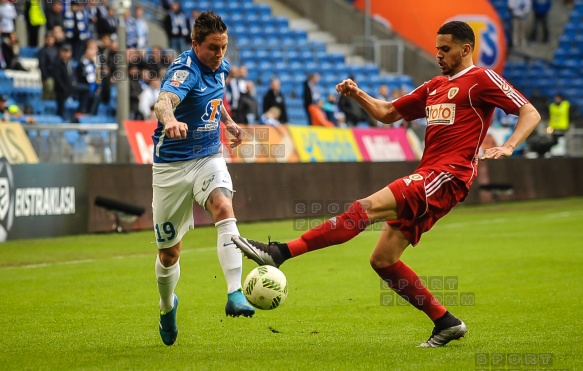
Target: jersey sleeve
[496,91]
[180,80]
[412,106]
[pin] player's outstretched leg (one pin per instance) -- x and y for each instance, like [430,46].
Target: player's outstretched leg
[446,329]
[259,252]
[237,305]
[334,231]
[168,328]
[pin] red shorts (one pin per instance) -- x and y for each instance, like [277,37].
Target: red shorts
[422,199]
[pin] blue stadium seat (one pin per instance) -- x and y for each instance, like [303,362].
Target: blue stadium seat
[250,64]
[296,66]
[324,66]
[251,19]
[300,36]
[48,119]
[262,54]
[311,66]
[49,107]
[255,30]
[287,39]
[188,6]
[28,52]
[279,67]
[285,77]
[335,58]
[281,21]
[247,54]
[243,41]
[263,9]
[271,41]
[96,119]
[264,65]
[238,29]
[276,56]
[236,18]
[291,54]
[203,5]
[287,88]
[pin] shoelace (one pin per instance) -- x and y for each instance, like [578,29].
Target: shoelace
[269,242]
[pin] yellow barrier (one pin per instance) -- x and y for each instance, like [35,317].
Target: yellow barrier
[15,145]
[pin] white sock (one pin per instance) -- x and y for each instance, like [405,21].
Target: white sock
[230,257]
[167,278]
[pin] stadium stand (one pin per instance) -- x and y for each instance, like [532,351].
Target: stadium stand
[540,79]
[275,48]
[272,49]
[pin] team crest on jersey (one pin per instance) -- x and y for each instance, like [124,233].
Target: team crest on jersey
[416,177]
[180,76]
[452,92]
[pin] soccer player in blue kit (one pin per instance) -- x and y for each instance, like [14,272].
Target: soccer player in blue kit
[189,166]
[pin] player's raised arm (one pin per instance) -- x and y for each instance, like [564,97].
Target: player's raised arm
[380,110]
[528,119]
[164,109]
[231,127]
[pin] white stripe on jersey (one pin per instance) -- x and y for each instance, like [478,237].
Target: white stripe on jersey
[160,141]
[434,185]
[500,82]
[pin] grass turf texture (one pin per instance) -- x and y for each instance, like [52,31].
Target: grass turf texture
[90,302]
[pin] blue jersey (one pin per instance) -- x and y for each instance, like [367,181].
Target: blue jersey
[201,93]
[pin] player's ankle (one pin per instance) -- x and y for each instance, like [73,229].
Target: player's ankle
[446,321]
[284,251]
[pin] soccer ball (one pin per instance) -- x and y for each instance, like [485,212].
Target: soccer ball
[265,287]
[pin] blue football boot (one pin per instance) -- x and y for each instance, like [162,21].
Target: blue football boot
[168,328]
[237,305]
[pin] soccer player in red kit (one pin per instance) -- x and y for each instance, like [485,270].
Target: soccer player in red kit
[458,107]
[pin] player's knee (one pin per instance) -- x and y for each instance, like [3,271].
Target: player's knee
[377,261]
[222,210]
[169,256]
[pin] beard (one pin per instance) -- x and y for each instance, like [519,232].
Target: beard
[457,61]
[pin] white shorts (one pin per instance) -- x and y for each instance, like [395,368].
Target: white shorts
[176,186]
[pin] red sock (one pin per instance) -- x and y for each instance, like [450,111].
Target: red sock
[334,231]
[405,282]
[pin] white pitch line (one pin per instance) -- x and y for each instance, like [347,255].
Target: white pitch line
[84,261]
[563,214]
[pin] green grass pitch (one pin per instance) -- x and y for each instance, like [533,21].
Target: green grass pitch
[90,302]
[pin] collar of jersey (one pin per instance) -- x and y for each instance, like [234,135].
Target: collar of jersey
[202,67]
[463,72]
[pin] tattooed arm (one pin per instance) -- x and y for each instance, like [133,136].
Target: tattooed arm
[231,127]
[164,109]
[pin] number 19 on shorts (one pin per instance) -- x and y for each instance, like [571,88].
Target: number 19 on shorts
[165,232]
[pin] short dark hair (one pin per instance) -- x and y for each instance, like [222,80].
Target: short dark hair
[207,23]
[461,32]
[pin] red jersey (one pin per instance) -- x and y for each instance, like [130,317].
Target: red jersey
[459,111]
